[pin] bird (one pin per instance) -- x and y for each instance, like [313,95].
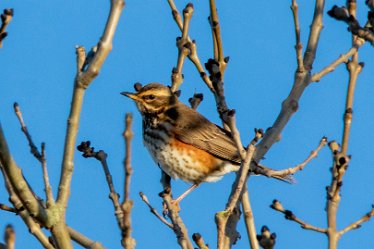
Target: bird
[184,143]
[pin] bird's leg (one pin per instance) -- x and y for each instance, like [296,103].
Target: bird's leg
[176,201]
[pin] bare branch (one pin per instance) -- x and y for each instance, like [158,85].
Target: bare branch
[183,48]
[298,46]
[293,170]
[83,79]
[291,103]
[289,215]
[354,69]
[7,208]
[249,219]
[48,188]
[343,58]
[222,218]
[10,237]
[154,210]
[33,227]
[217,39]
[357,224]
[19,183]
[33,149]
[193,55]
[88,151]
[6,17]
[83,240]
[179,227]
[127,241]
[199,241]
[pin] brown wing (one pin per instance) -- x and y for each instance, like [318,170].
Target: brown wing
[192,128]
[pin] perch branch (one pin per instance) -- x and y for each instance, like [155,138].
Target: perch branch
[179,227]
[222,218]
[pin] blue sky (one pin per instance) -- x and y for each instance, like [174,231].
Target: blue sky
[38,68]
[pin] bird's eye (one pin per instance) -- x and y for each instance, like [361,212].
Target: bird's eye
[151,97]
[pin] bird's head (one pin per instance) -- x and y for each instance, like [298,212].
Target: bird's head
[153,98]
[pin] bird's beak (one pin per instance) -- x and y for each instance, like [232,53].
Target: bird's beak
[130,95]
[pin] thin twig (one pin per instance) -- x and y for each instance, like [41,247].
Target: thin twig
[127,241]
[193,55]
[19,183]
[357,224]
[33,149]
[354,69]
[154,210]
[33,227]
[88,152]
[289,215]
[298,46]
[293,170]
[5,207]
[6,17]
[214,23]
[183,48]
[343,58]
[40,156]
[48,188]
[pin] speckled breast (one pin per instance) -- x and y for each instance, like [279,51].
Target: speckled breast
[181,160]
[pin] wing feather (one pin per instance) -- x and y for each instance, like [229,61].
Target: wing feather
[194,129]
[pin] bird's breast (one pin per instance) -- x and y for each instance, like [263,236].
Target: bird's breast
[181,160]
